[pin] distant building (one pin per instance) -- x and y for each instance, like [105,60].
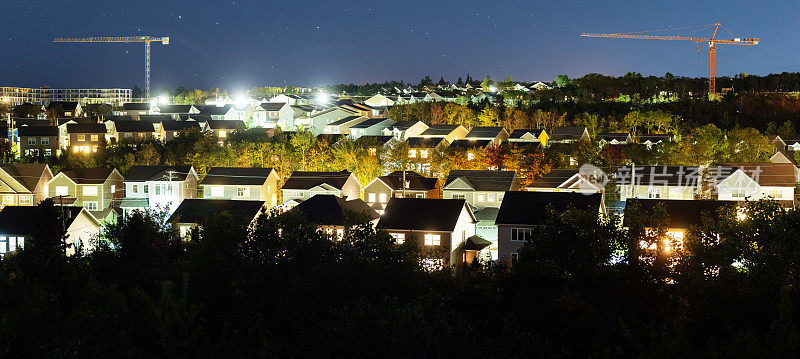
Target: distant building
[18,95]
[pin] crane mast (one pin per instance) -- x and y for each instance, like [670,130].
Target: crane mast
[126,39]
[712,41]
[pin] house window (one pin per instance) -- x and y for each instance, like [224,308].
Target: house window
[146,189]
[432,264]
[481,197]
[521,234]
[243,191]
[62,190]
[514,256]
[25,200]
[371,198]
[775,193]
[217,191]
[90,190]
[654,193]
[8,199]
[433,240]
[420,195]
[412,153]
[45,141]
[81,137]
[95,138]
[223,134]
[400,238]
[135,189]
[490,197]
[737,193]
[90,205]
[423,153]
[382,198]
[32,141]
[470,156]
[500,197]
[113,189]
[459,196]
[157,188]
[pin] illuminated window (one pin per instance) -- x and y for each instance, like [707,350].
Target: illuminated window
[371,198]
[423,153]
[654,192]
[243,192]
[113,189]
[8,199]
[81,137]
[737,193]
[25,200]
[412,153]
[490,197]
[459,196]
[217,191]
[481,197]
[222,133]
[521,234]
[90,190]
[400,238]
[433,240]
[95,138]
[470,156]
[382,198]
[90,205]
[62,190]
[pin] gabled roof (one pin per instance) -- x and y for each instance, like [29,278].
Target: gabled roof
[370,122]
[86,128]
[403,125]
[193,210]
[484,132]
[483,180]
[173,125]
[554,178]
[682,213]
[195,117]
[65,105]
[42,131]
[530,208]
[28,219]
[422,214]
[225,124]
[439,130]
[115,118]
[157,173]
[22,122]
[487,214]
[765,174]
[416,181]
[64,120]
[232,176]
[88,175]
[422,142]
[216,110]
[303,180]
[134,126]
[685,176]
[27,174]
[272,106]
[329,210]
[470,144]
[345,120]
[136,106]
[518,133]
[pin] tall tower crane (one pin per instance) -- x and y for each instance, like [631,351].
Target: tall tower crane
[145,39]
[712,41]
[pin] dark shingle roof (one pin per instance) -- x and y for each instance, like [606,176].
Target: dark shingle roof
[554,178]
[174,108]
[329,210]
[155,118]
[272,106]
[422,214]
[346,120]
[487,214]
[21,122]
[420,142]
[64,120]
[116,118]
[25,131]
[330,138]
[157,173]
[619,136]
[484,180]
[195,117]
[308,180]
[416,181]
[173,125]
[216,111]
[136,106]
[65,105]
[369,123]
[518,133]
[682,213]
[27,174]
[134,126]
[193,210]
[236,176]
[765,174]
[86,128]
[225,124]
[567,132]
[439,130]
[88,175]
[470,144]
[484,132]
[530,208]
[28,219]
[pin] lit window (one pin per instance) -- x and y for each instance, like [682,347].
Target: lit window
[223,134]
[420,195]
[399,238]
[371,198]
[654,193]
[433,240]
[243,191]
[113,189]
[25,200]
[8,199]
[90,190]
[481,197]
[81,137]
[521,234]
[217,191]
[3,245]
[459,196]
[62,190]
[423,153]
[470,156]
[95,138]
[382,197]
[490,197]
[412,153]
[90,205]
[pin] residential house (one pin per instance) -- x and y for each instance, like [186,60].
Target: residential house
[755,181]
[522,212]
[35,141]
[342,127]
[95,189]
[472,149]
[67,108]
[221,113]
[158,188]
[170,129]
[274,114]
[370,127]
[496,135]
[302,185]
[653,139]
[136,109]
[131,130]
[449,133]
[62,123]
[221,128]
[86,137]
[174,110]
[480,188]
[529,135]
[618,138]
[23,184]
[568,134]
[792,145]
[192,212]
[379,100]
[316,123]
[398,184]
[487,229]
[668,182]
[292,100]
[331,212]
[241,183]
[568,180]
[403,130]
[420,152]
[19,224]
[441,227]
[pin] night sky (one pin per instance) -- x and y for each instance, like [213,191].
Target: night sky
[241,44]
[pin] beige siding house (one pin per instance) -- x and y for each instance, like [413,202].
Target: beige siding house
[92,188]
[480,188]
[23,184]
[239,183]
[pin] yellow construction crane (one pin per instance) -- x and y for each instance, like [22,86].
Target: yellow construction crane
[145,39]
